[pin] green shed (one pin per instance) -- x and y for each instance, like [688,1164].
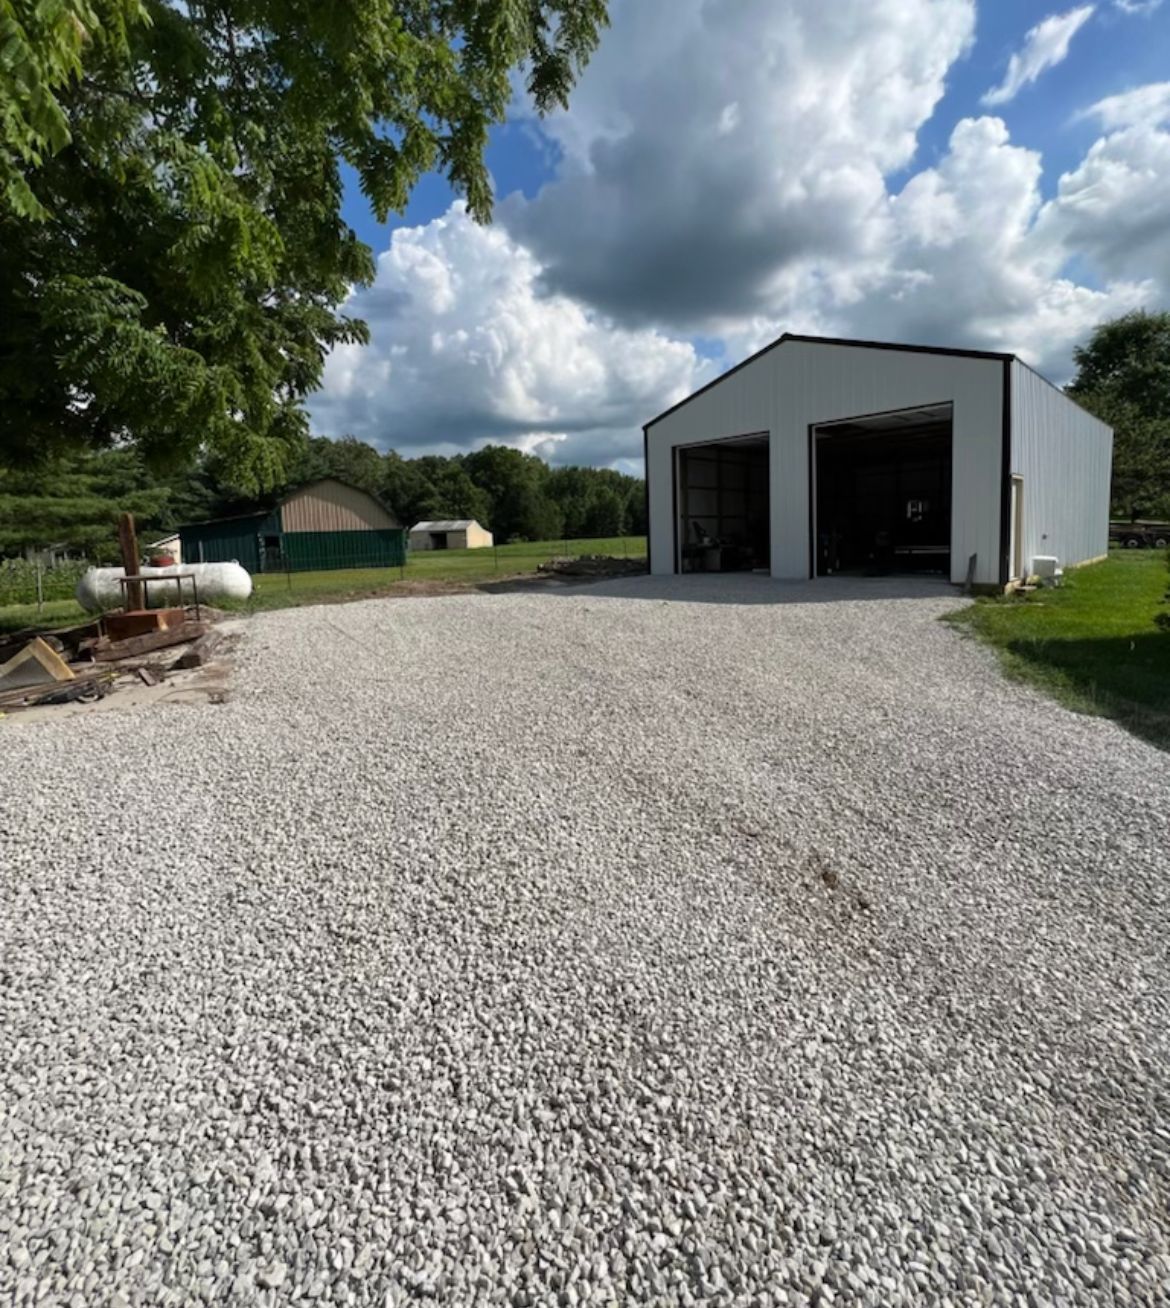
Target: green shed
[322,525]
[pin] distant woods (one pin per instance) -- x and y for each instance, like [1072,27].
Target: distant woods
[1123,376]
[74,500]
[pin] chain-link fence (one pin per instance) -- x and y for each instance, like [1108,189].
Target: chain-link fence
[36,582]
[33,591]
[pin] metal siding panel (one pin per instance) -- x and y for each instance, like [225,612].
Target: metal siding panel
[233,540]
[1065,457]
[333,506]
[800,384]
[318,551]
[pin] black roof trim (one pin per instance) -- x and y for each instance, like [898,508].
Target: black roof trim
[833,340]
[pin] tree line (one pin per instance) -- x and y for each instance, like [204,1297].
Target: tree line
[74,498]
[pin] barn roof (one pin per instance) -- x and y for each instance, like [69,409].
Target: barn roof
[952,351]
[446,524]
[270,503]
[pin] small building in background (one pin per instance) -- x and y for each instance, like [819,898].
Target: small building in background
[449,534]
[324,524]
[166,546]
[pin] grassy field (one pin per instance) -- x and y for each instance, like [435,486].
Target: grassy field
[1093,643]
[281,590]
[54,613]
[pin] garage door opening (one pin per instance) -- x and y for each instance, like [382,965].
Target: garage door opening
[722,519]
[881,494]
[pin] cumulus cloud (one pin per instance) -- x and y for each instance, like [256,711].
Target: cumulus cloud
[711,150]
[1045,46]
[1112,208]
[465,349]
[1145,104]
[976,257]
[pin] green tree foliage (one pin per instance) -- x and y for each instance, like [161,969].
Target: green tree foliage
[172,256]
[347,459]
[41,46]
[1123,376]
[517,487]
[75,501]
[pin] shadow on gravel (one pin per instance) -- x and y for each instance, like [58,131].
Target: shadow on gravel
[735,588]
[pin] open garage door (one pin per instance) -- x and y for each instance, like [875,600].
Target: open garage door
[722,506]
[881,494]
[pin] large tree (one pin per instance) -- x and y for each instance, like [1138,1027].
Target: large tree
[1123,376]
[172,252]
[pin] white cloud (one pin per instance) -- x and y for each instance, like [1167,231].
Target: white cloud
[1045,46]
[1138,6]
[465,350]
[970,255]
[710,149]
[1145,104]
[977,257]
[1112,208]
[700,194]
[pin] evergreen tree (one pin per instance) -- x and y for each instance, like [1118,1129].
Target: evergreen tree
[75,501]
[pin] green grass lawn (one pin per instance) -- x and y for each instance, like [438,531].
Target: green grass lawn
[1094,642]
[54,613]
[280,590]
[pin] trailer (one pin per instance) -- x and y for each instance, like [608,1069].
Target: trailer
[1140,535]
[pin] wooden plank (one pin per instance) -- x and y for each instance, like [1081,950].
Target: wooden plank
[37,664]
[110,651]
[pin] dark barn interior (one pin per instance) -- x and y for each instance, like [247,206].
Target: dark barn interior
[883,494]
[723,506]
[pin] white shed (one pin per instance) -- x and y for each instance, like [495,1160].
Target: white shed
[449,534]
[819,456]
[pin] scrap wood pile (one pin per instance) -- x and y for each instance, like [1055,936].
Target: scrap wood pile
[83,663]
[592,565]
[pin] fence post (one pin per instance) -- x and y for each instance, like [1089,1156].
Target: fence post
[40,590]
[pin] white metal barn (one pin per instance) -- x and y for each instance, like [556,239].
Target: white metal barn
[819,456]
[450,534]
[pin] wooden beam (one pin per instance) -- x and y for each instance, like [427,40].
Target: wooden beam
[128,541]
[128,649]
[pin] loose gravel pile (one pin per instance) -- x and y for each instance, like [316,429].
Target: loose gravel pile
[705,941]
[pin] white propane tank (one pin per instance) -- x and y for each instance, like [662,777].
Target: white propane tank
[98,589]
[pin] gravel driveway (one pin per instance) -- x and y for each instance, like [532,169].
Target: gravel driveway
[705,941]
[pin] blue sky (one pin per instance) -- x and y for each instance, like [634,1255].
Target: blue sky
[730,169]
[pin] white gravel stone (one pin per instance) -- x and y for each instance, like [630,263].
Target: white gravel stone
[710,940]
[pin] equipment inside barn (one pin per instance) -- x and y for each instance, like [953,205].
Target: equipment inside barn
[883,494]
